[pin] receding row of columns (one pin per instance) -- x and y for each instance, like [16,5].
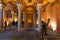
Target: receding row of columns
[19,21]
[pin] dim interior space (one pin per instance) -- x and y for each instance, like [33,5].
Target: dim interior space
[30,14]
[23,12]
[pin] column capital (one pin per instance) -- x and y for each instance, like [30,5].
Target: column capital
[0,5]
[19,5]
[39,6]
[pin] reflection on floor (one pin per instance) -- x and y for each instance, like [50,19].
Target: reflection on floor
[27,34]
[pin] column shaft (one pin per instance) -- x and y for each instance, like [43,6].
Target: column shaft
[39,20]
[39,17]
[12,15]
[19,21]
[23,16]
[1,16]
[34,18]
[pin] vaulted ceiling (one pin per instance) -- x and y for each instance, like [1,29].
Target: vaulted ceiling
[25,3]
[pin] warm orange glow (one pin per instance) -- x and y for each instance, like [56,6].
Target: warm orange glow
[6,1]
[15,13]
[15,19]
[37,22]
[45,2]
[7,23]
[51,1]
[53,26]
[29,21]
[9,20]
[28,4]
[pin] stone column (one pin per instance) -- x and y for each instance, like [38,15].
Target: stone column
[53,17]
[1,15]
[57,8]
[19,20]
[39,6]
[12,15]
[34,20]
[24,16]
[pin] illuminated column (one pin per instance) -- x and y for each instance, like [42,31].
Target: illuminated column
[1,15]
[57,13]
[39,16]
[34,19]
[53,16]
[19,20]
[12,15]
[24,16]
[38,8]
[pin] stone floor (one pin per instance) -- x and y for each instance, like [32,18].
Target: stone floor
[27,35]
[22,35]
